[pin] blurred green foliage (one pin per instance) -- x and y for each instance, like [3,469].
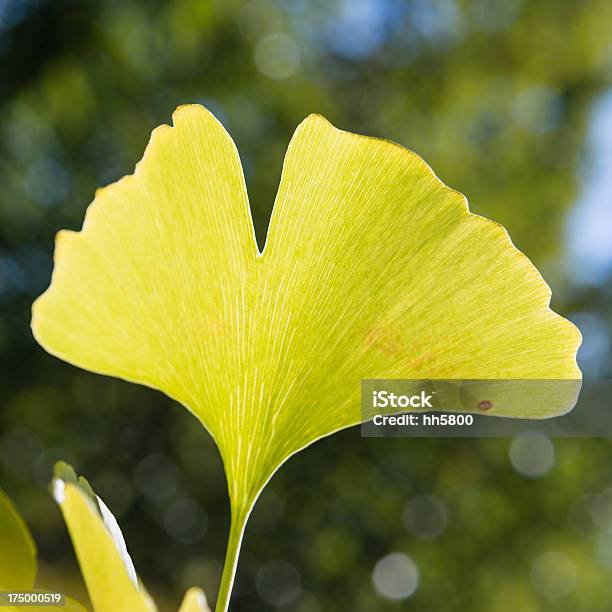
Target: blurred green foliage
[495,95]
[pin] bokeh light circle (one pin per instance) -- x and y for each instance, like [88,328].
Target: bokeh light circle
[277,56]
[553,574]
[396,577]
[425,516]
[532,454]
[278,583]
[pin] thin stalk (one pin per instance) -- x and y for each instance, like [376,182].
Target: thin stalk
[239,520]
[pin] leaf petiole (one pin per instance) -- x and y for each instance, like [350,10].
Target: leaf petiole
[237,527]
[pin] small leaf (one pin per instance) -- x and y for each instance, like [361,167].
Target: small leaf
[106,565]
[194,601]
[18,565]
[100,548]
[17,549]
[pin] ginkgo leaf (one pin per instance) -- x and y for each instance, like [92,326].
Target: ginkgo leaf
[107,569]
[101,550]
[18,565]
[372,269]
[17,549]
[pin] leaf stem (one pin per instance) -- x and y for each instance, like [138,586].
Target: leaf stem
[238,524]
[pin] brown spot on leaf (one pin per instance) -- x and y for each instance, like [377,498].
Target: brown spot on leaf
[485,405]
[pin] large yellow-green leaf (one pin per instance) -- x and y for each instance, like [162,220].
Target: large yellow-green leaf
[372,268]
[106,566]
[17,549]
